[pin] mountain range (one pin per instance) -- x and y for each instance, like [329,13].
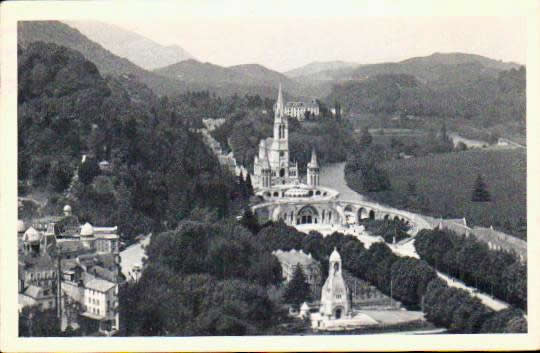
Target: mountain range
[140,50]
[426,68]
[116,51]
[316,67]
[247,78]
[107,63]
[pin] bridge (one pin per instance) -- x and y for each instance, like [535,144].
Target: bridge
[326,211]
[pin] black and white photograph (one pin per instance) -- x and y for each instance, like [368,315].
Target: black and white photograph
[311,169]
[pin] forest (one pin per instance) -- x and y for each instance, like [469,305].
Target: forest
[481,100]
[226,282]
[161,171]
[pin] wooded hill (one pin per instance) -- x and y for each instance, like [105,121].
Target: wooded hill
[161,172]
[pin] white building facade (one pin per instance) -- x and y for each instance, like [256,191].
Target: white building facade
[272,165]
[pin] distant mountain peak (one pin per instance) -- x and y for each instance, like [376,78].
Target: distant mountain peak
[316,67]
[140,50]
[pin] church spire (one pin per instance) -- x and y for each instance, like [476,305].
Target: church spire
[279,102]
[314,163]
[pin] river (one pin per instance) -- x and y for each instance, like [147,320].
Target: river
[333,176]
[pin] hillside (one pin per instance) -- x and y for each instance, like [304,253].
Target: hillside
[107,63]
[428,68]
[139,50]
[240,79]
[160,170]
[478,99]
[317,67]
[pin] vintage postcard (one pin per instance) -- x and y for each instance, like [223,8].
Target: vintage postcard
[260,176]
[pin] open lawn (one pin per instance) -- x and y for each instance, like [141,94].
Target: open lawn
[444,184]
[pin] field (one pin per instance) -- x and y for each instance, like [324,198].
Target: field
[407,136]
[446,181]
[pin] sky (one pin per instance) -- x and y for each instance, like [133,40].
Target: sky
[285,35]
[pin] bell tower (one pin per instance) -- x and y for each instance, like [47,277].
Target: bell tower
[335,303]
[279,153]
[313,170]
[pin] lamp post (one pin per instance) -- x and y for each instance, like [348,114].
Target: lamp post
[391,285]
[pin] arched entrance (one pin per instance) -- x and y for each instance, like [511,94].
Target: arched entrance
[307,215]
[361,213]
[338,313]
[282,172]
[371,214]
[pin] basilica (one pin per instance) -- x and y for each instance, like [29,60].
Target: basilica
[303,202]
[272,165]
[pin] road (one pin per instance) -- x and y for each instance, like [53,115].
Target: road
[132,256]
[333,175]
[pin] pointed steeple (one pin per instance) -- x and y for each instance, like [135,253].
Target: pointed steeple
[314,163]
[280,97]
[266,161]
[279,102]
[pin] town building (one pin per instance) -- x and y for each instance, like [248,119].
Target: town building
[298,109]
[71,264]
[290,260]
[44,297]
[36,271]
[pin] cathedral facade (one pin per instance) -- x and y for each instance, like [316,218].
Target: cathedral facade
[272,165]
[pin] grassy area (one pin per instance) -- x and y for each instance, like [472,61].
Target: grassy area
[405,136]
[444,183]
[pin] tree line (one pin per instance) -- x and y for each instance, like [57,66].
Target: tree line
[492,271]
[484,100]
[413,282]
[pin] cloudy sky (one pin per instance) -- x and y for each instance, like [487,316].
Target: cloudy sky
[285,35]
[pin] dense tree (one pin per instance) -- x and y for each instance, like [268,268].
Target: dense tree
[496,272]
[60,174]
[34,322]
[297,290]
[365,137]
[249,185]
[160,170]
[463,92]
[505,321]
[88,170]
[480,192]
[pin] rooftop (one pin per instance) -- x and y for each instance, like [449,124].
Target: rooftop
[294,257]
[99,285]
[40,263]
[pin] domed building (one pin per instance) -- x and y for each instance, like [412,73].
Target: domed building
[87,235]
[87,230]
[21,227]
[67,210]
[31,236]
[36,243]
[335,298]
